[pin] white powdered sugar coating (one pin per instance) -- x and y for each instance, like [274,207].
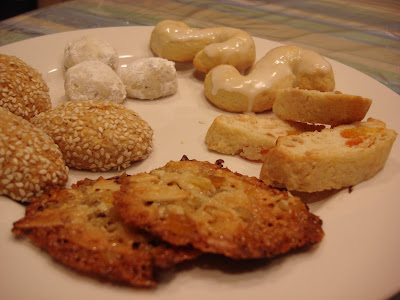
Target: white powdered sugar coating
[90,48]
[150,78]
[93,80]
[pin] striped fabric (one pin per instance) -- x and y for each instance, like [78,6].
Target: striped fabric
[362,34]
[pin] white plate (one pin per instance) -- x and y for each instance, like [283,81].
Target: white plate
[357,259]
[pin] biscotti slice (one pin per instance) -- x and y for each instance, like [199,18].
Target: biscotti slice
[330,159]
[216,211]
[250,136]
[81,228]
[311,106]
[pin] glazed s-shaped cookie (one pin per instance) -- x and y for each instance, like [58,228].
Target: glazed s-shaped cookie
[207,48]
[281,67]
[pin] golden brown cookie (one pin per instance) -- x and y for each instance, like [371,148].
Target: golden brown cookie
[250,136]
[80,228]
[311,106]
[22,88]
[206,47]
[280,68]
[217,211]
[30,161]
[97,135]
[334,158]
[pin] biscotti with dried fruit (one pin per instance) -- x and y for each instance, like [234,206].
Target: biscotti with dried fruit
[250,136]
[331,159]
[311,106]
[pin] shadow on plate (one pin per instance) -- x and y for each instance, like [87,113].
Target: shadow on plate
[227,266]
[183,66]
[309,198]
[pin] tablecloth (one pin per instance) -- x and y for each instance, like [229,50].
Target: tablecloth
[362,34]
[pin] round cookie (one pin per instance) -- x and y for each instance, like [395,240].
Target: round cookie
[97,135]
[22,88]
[90,48]
[30,161]
[150,78]
[93,80]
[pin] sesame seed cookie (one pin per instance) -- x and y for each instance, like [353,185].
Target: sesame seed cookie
[30,161]
[22,88]
[97,135]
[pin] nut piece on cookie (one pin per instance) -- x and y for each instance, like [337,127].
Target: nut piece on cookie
[216,211]
[30,161]
[97,135]
[22,88]
[331,159]
[250,136]
[90,48]
[81,228]
[93,80]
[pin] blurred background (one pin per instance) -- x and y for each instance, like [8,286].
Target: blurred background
[11,8]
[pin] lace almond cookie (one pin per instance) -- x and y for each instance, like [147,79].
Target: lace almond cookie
[216,211]
[81,228]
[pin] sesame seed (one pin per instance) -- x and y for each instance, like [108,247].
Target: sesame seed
[105,138]
[5,181]
[31,152]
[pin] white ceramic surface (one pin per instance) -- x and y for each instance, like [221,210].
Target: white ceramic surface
[359,257]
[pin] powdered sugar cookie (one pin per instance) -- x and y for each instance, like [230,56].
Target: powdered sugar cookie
[150,78]
[90,48]
[93,80]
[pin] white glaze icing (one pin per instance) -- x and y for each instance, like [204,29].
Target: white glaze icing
[223,44]
[230,42]
[276,70]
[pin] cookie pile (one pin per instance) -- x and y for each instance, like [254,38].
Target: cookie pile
[127,228]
